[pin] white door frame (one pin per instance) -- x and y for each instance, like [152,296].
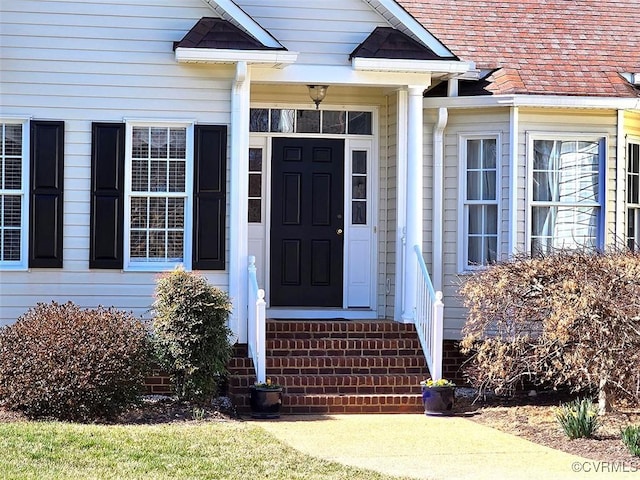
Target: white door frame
[352,142]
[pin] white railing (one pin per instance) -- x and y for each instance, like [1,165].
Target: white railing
[429,318]
[256,323]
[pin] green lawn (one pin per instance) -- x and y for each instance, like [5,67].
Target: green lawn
[190,450]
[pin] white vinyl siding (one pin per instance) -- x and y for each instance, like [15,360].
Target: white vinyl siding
[323,33]
[14,196]
[85,62]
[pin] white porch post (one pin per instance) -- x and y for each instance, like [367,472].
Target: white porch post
[238,205]
[414,203]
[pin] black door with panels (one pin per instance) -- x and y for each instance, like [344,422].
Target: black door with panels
[307,222]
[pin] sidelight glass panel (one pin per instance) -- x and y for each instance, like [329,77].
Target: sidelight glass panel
[255,185]
[359,187]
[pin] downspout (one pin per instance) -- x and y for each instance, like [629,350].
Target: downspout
[437,229]
[238,200]
[514,127]
[621,173]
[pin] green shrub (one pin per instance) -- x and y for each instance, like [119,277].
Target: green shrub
[631,438]
[67,363]
[578,418]
[191,333]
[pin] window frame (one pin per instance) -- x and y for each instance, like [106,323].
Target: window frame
[464,202]
[629,206]
[159,266]
[23,263]
[602,140]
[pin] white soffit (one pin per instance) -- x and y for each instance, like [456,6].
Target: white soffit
[277,58]
[231,12]
[401,20]
[410,66]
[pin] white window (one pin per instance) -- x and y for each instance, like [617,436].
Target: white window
[633,195]
[157,218]
[480,201]
[13,196]
[566,202]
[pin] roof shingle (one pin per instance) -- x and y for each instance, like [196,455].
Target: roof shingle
[550,47]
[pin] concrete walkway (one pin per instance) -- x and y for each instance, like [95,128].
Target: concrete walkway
[435,448]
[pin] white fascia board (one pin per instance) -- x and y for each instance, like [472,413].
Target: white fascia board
[228,10]
[338,75]
[549,101]
[403,21]
[410,66]
[206,55]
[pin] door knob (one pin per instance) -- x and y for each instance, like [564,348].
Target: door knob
[339,231]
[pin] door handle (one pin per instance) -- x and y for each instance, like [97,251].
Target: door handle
[339,231]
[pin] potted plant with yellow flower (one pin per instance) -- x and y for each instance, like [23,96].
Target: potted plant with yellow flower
[265,399]
[438,396]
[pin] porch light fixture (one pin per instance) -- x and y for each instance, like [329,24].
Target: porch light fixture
[317,93]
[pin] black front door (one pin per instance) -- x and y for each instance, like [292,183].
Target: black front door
[307,222]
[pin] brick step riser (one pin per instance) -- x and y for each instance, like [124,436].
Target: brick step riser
[379,344]
[337,380]
[319,404]
[240,386]
[338,330]
[280,353]
[339,335]
[277,363]
[238,365]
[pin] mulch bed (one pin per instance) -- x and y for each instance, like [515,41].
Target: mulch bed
[533,418]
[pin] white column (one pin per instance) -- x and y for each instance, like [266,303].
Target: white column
[414,203]
[401,201]
[238,200]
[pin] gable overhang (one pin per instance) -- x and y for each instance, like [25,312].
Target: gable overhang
[267,58]
[403,21]
[231,12]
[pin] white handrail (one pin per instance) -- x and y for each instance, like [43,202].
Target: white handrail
[429,318]
[256,328]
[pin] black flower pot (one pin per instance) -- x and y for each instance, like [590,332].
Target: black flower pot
[265,402]
[438,400]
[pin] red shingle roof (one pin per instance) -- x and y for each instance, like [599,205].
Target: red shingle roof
[551,47]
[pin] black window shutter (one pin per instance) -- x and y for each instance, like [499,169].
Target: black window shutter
[107,195]
[46,189]
[209,202]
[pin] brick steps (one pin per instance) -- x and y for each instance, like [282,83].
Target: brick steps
[337,366]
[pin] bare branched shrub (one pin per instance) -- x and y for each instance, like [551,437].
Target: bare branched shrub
[571,318]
